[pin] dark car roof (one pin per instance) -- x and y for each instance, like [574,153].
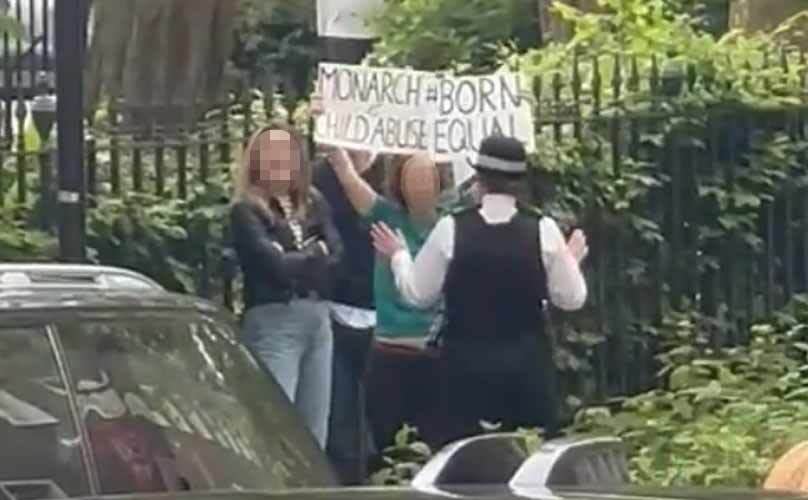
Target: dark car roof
[20,300]
[35,287]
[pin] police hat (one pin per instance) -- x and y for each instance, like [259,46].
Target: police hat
[501,155]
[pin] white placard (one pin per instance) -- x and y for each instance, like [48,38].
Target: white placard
[346,18]
[403,111]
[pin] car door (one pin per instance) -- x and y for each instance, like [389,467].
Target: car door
[172,402]
[41,455]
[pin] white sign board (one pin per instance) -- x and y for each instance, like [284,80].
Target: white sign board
[346,18]
[403,111]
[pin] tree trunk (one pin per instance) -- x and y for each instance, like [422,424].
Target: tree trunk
[543,9]
[105,59]
[556,28]
[163,59]
[759,15]
[763,15]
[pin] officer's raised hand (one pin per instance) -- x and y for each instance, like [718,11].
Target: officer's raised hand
[577,245]
[386,241]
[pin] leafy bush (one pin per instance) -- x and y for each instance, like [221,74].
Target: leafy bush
[20,243]
[409,454]
[167,239]
[462,34]
[721,416]
[277,40]
[665,142]
[727,68]
[403,459]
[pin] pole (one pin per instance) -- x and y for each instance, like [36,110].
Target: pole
[70,26]
[344,50]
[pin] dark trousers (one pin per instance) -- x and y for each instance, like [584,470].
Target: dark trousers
[404,388]
[511,382]
[349,438]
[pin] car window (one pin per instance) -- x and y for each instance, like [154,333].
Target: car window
[40,456]
[174,403]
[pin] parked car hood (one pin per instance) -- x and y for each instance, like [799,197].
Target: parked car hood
[494,492]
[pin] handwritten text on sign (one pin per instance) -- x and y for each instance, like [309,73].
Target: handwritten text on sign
[403,111]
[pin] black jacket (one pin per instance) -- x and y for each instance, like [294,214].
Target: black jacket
[353,282]
[275,275]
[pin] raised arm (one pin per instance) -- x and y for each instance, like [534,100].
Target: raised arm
[358,191]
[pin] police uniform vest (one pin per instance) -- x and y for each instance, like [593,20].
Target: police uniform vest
[496,282]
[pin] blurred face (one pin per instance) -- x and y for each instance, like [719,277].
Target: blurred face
[279,161]
[419,185]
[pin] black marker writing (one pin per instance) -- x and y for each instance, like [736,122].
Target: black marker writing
[370,86]
[459,135]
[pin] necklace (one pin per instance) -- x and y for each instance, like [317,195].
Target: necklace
[294,224]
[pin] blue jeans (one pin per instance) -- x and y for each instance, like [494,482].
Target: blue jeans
[295,343]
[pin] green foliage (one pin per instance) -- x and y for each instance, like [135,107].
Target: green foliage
[730,68]
[409,454]
[470,35]
[720,416]
[19,243]
[277,41]
[11,27]
[640,104]
[167,239]
[644,101]
[458,34]
[403,459]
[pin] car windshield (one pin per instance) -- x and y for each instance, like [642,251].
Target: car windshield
[167,403]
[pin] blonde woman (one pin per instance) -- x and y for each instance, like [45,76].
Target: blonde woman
[287,247]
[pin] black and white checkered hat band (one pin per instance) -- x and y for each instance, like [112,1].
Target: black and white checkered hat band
[500,165]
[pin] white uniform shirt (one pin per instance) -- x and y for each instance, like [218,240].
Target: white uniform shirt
[421,281]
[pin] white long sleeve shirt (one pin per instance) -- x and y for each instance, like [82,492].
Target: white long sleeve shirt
[421,281]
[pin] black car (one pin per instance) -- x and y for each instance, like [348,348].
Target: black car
[110,385]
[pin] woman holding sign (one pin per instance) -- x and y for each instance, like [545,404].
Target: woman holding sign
[402,330]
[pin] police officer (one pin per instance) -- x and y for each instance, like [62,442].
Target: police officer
[497,264]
